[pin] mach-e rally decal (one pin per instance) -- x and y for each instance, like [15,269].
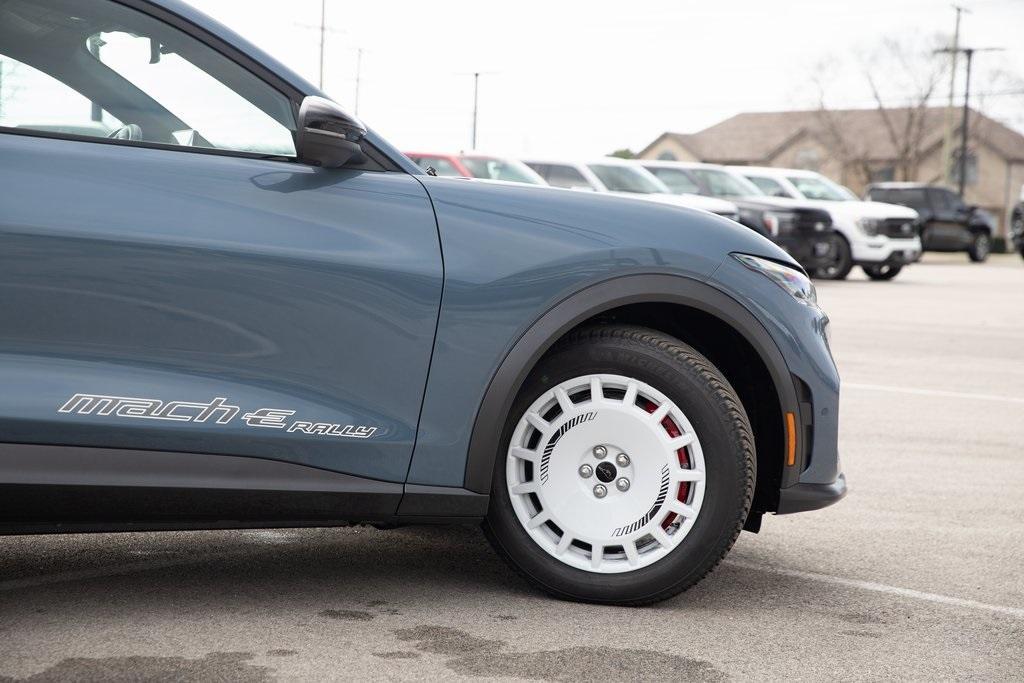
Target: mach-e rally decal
[218,411]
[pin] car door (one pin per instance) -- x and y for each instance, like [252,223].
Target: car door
[185,284]
[948,228]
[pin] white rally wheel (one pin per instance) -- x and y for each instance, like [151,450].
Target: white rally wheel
[605,473]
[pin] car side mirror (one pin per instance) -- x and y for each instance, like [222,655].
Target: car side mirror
[327,135]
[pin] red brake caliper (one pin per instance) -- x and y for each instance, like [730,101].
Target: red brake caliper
[684,461]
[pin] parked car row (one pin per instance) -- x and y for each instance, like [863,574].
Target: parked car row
[824,226]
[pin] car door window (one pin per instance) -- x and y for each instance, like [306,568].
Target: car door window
[769,186]
[914,198]
[139,79]
[677,180]
[32,99]
[561,175]
[943,201]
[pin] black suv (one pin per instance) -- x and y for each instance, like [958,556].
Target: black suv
[805,232]
[1017,225]
[947,223]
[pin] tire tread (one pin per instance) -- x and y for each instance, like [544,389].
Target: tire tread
[722,393]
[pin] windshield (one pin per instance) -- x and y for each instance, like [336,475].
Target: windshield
[502,169]
[627,179]
[676,179]
[819,188]
[769,186]
[725,184]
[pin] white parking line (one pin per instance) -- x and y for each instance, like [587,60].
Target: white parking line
[932,392]
[881,588]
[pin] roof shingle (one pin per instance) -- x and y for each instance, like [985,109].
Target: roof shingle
[754,137]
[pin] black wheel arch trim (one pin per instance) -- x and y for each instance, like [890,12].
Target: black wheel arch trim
[484,445]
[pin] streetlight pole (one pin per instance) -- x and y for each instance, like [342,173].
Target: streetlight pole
[476,99]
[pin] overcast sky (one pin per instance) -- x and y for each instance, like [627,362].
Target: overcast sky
[573,77]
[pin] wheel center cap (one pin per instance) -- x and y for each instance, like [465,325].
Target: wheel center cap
[605,472]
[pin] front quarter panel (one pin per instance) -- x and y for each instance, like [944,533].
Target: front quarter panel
[512,253]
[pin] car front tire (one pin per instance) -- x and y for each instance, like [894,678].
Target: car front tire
[981,247]
[882,271]
[616,403]
[842,262]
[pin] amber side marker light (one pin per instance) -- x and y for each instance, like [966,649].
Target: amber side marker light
[790,439]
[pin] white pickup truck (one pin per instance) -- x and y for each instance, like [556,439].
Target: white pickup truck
[880,238]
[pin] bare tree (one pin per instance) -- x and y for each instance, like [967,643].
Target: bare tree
[850,152]
[902,76]
[916,73]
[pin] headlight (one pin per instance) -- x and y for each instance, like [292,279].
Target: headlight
[771,223]
[869,226]
[790,279]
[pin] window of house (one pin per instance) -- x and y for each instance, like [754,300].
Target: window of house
[667,156]
[808,159]
[883,174]
[971,171]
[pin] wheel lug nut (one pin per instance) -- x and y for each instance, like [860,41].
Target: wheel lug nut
[586,471]
[600,491]
[622,460]
[622,484]
[600,452]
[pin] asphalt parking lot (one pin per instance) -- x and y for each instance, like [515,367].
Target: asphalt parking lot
[918,574]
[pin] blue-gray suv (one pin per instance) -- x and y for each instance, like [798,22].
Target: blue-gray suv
[225,303]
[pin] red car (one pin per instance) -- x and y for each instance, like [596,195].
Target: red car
[444,164]
[482,166]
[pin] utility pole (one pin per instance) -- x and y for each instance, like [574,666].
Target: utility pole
[947,135]
[962,161]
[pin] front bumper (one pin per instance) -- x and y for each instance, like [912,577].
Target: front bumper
[803,497]
[885,250]
[799,332]
[810,252]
